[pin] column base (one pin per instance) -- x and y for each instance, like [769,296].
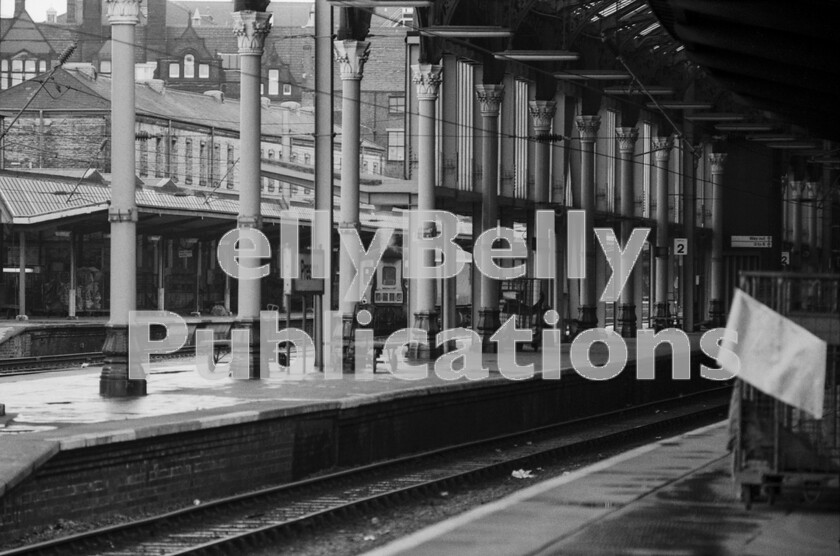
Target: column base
[425,320]
[627,321]
[588,317]
[114,381]
[661,316]
[488,324]
[716,316]
[252,325]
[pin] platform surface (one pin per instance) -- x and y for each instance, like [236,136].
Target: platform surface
[672,497]
[63,410]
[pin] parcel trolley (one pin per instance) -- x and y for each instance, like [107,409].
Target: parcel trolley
[777,446]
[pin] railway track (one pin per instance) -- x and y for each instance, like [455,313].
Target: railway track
[233,525]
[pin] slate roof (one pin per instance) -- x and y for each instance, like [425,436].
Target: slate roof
[73,89]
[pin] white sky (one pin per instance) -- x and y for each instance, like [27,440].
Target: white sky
[38,8]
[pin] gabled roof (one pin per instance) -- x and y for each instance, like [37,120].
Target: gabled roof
[64,90]
[24,35]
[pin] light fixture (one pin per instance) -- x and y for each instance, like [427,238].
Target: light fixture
[466,31]
[537,55]
[745,126]
[715,117]
[771,138]
[601,75]
[795,146]
[653,90]
[681,105]
[381,3]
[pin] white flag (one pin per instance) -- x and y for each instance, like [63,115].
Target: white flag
[777,356]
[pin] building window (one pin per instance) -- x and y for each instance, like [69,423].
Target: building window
[217,164]
[204,71]
[158,157]
[306,158]
[144,157]
[230,61]
[174,71]
[17,72]
[173,158]
[4,71]
[396,145]
[270,155]
[189,66]
[188,169]
[105,66]
[396,105]
[202,163]
[42,66]
[31,69]
[230,164]
[273,82]
[287,89]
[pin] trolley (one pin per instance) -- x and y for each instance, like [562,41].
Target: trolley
[776,446]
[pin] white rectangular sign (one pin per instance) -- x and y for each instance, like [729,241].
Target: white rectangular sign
[680,246]
[752,241]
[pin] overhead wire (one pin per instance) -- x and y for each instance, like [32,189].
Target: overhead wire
[382,106]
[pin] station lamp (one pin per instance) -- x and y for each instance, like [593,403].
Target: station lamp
[600,75]
[537,55]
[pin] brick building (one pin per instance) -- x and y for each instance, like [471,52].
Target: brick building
[67,124]
[189,46]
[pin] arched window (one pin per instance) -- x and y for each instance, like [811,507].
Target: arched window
[189,66]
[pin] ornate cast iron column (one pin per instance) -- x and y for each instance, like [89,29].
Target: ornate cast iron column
[351,56]
[428,78]
[490,99]
[662,154]
[627,137]
[716,310]
[123,15]
[251,29]
[588,130]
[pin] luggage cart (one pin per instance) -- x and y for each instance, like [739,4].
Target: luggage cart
[776,446]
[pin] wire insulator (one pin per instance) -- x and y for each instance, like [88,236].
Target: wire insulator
[66,54]
[549,138]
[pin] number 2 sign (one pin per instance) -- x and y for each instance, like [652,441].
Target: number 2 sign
[680,246]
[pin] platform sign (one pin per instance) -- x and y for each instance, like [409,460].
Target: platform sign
[785,258]
[185,253]
[680,246]
[752,241]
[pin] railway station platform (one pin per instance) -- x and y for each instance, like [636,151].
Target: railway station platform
[674,497]
[67,453]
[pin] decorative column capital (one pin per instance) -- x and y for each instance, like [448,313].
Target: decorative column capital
[542,114]
[250,29]
[351,57]
[627,137]
[588,127]
[796,188]
[662,148]
[428,78]
[123,12]
[717,160]
[809,191]
[490,98]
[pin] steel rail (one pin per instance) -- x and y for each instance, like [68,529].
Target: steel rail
[245,519]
